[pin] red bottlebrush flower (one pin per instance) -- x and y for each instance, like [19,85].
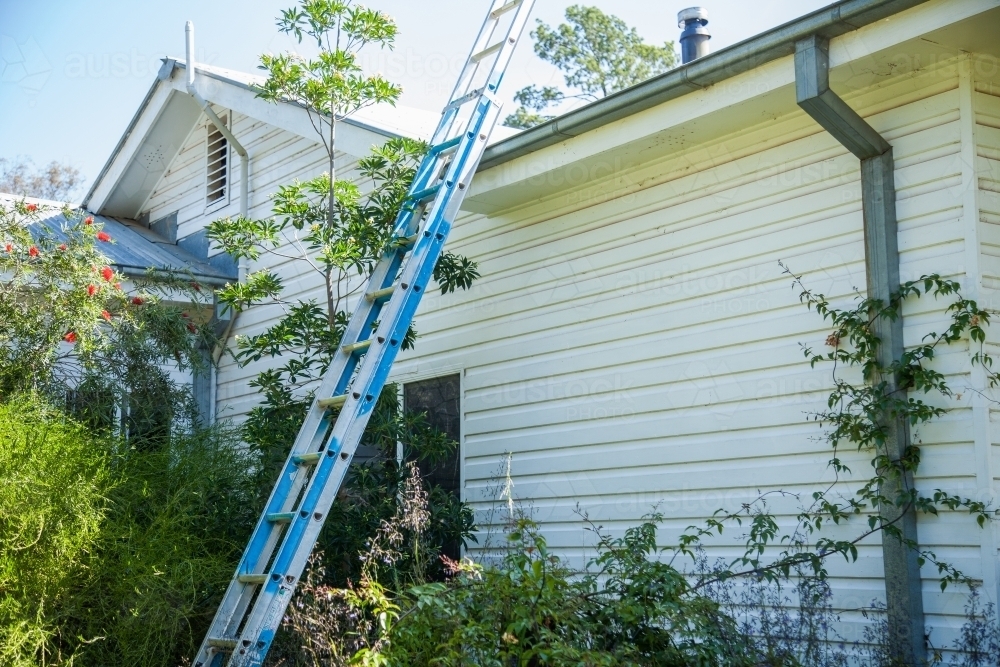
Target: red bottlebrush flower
[103,236]
[33,251]
[196,287]
[137,301]
[106,315]
[192,328]
[62,246]
[9,247]
[91,290]
[31,207]
[107,273]
[118,286]
[70,337]
[89,220]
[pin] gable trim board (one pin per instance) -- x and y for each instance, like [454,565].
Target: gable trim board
[168,113]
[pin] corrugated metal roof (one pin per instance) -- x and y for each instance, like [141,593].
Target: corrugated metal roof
[133,249]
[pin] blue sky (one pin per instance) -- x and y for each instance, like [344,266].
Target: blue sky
[73,73]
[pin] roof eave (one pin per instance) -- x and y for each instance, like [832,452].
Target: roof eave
[831,21]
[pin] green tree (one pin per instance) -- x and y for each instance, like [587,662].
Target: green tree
[598,54]
[336,229]
[55,181]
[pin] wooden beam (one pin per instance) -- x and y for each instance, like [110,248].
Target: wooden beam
[904,601]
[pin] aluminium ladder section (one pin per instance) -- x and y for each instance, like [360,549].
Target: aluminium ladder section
[255,601]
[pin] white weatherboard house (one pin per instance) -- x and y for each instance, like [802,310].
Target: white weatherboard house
[633,340]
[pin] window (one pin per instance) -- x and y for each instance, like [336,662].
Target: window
[217,165]
[440,400]
[93,404]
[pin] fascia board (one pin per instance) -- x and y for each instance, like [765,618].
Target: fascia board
[353,139]
[692,102]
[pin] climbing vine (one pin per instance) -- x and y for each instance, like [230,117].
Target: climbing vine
[858,414]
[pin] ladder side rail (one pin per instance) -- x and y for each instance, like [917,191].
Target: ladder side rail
[371,370]
[288,486]
[482,40]
[322,489]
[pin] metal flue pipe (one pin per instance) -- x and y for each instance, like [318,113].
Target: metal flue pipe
[694,38]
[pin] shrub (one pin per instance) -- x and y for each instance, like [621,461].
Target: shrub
[112,554]
[68,326]
[176,522]
[978,644]
[55,478]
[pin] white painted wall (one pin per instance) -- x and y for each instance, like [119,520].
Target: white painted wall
[277,157]
[643,350]
[634,343]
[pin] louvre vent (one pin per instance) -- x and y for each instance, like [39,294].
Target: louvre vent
[217,154]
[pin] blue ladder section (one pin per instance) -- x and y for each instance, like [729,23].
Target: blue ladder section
[254,604]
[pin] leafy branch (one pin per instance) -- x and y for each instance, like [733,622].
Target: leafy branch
[858,414]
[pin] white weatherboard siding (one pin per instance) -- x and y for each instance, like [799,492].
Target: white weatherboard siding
[984,154]
[277,157]
[642,349]
[633,341]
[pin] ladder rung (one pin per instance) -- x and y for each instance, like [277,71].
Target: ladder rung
[406,241]
[307,459]
[426,193]
[254,604]
[445,146]
[332,402]
[500,11]
[380,293]
[487,52]
[355,348]
[459,101]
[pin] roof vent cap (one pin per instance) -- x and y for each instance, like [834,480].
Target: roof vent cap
[694,38]
[699,14]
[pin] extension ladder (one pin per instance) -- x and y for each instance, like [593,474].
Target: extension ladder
[255,601]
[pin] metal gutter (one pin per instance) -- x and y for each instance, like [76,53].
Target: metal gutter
[143,271]
[779,42]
